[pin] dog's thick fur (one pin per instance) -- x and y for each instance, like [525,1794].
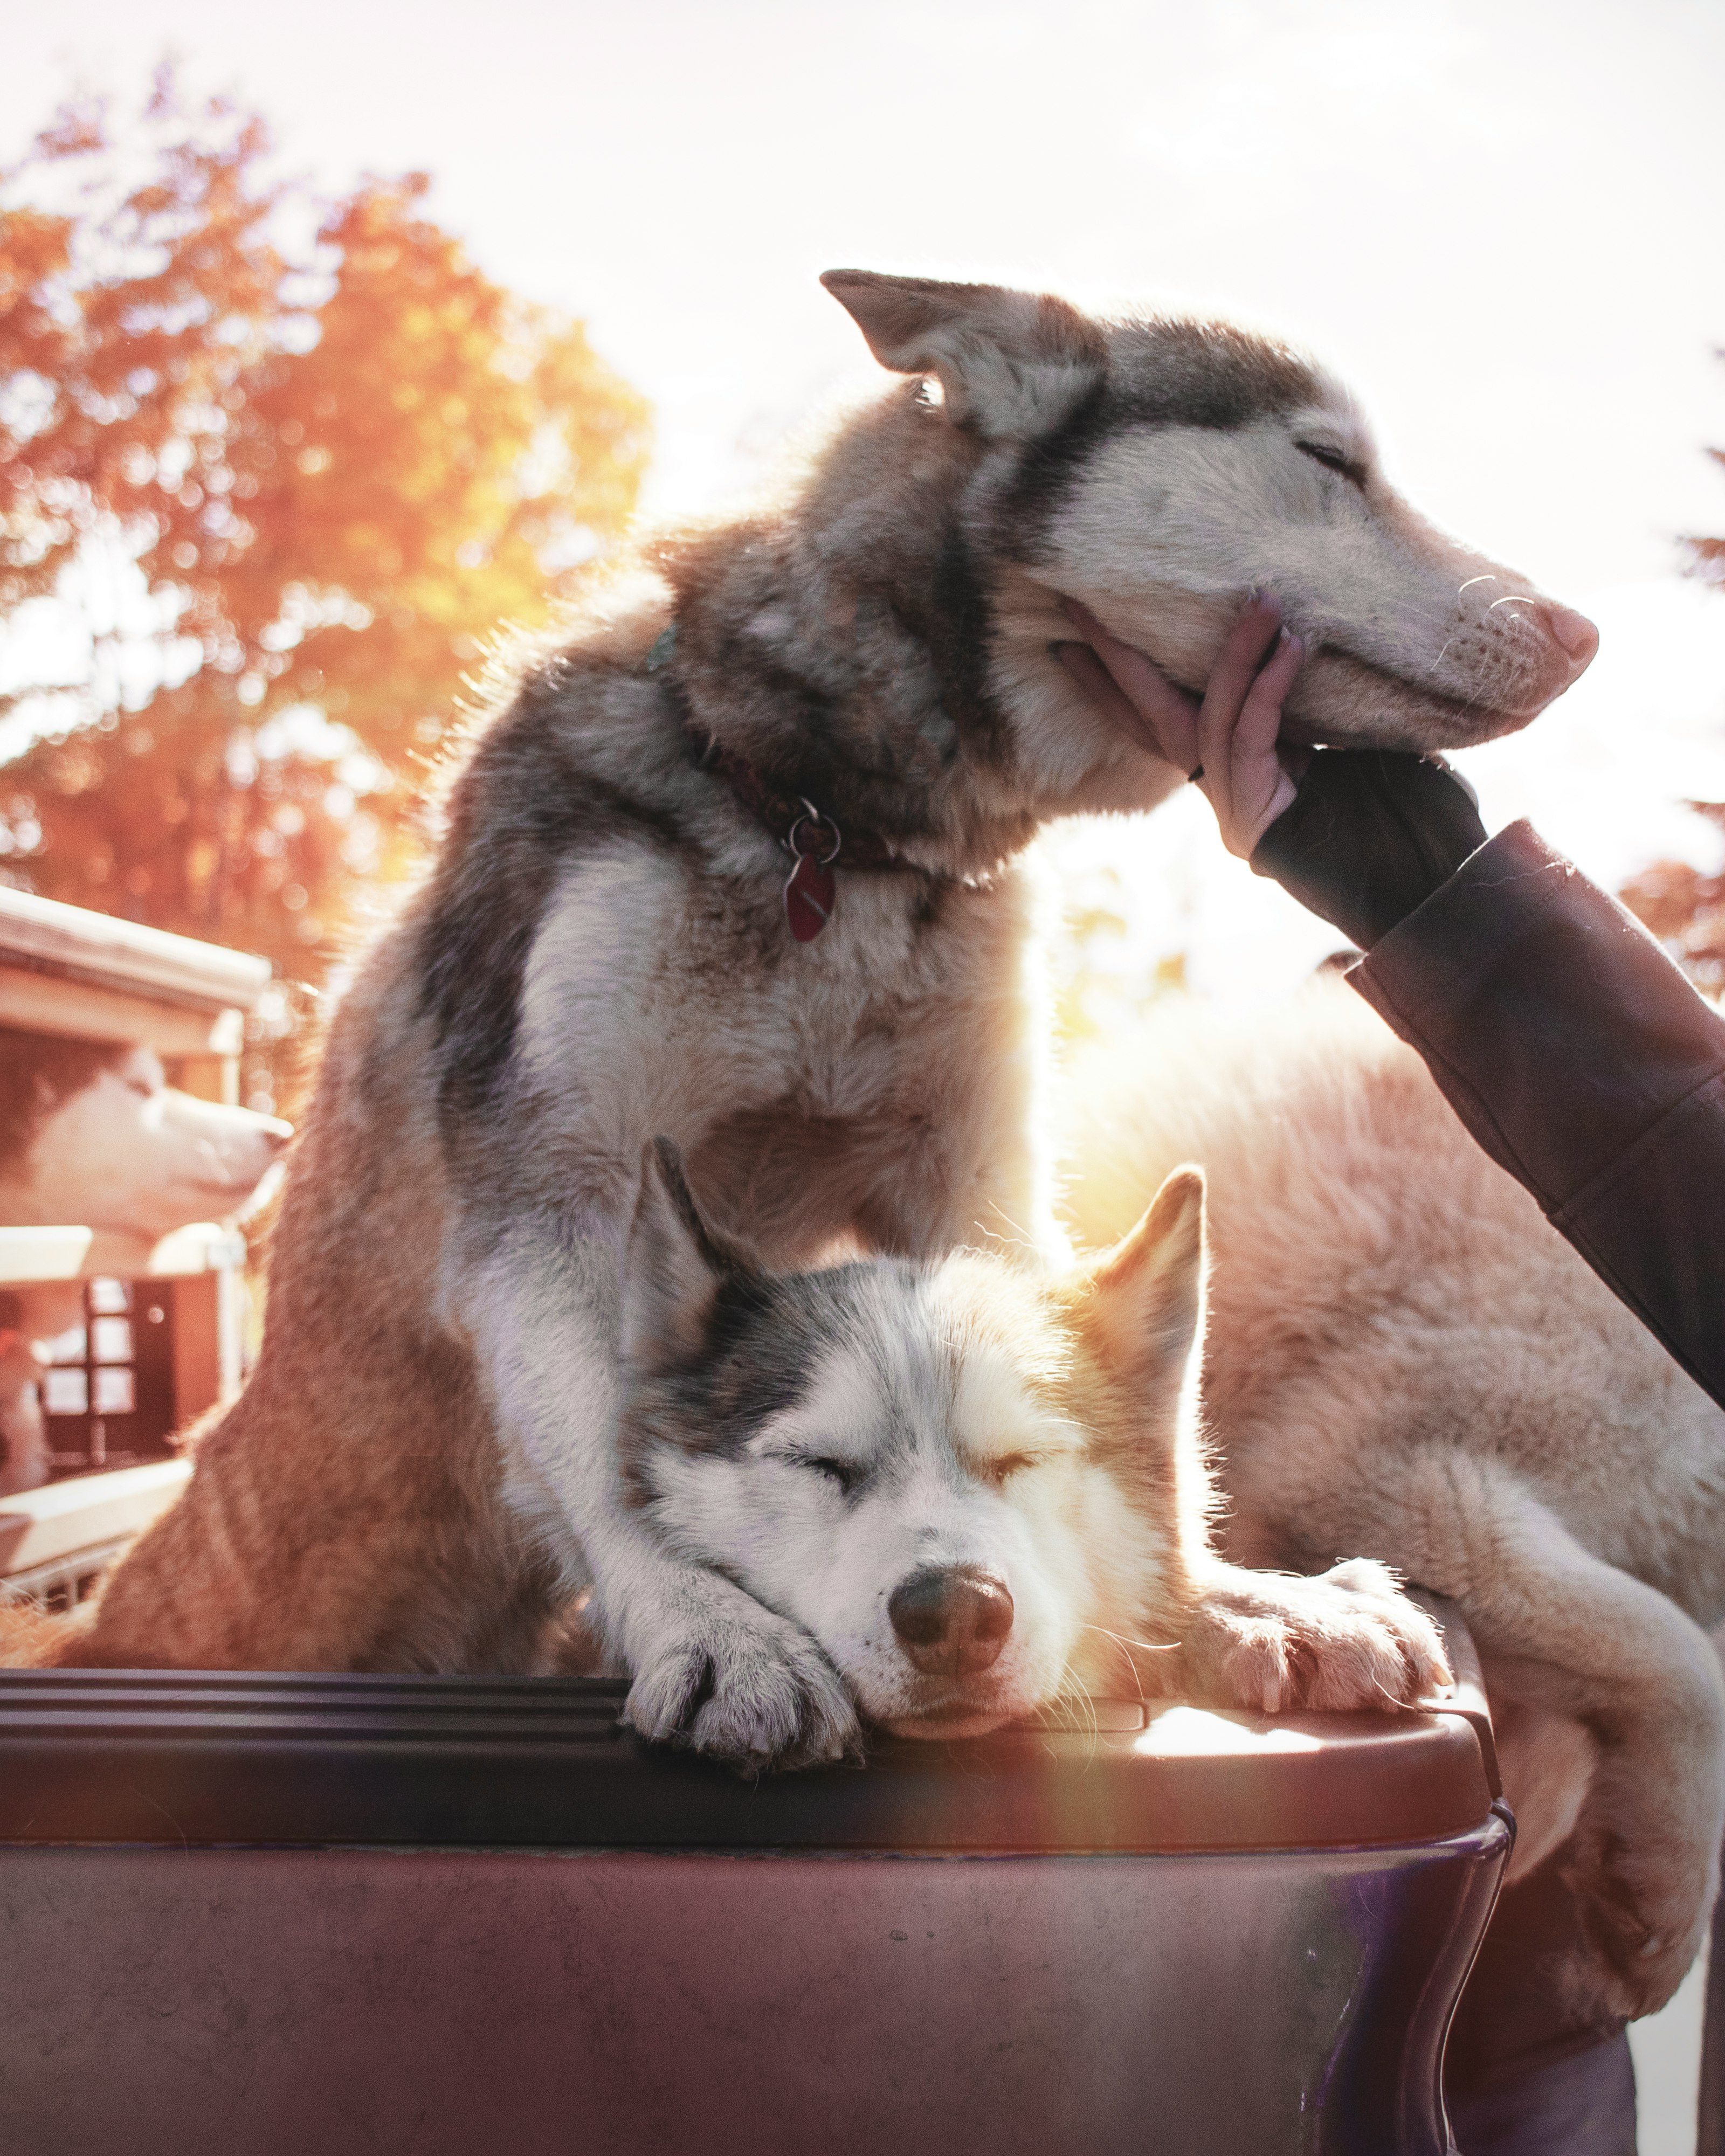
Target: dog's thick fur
[425,1460]
[1405,1360]
[856,1449]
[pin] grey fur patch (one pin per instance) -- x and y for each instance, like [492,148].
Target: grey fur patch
[1161,374]
[522,809]
[38,1072]
[766,1339]
[1171,372]
[885,725]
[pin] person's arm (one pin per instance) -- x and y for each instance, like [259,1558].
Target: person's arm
[1570,1045]
[1573,1049]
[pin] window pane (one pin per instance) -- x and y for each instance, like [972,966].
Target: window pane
[67,1346]
[111,1340]
[107,1297]
[113,1392]
[65,1392]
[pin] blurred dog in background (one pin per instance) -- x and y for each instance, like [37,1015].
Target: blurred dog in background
[92,1136]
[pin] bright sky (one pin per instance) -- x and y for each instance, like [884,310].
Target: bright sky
[1500,217]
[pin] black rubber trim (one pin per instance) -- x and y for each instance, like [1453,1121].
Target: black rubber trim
[201,1759]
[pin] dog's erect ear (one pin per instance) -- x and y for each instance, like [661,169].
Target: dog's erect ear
[674,1265]
[1146,1307]
[1010,364]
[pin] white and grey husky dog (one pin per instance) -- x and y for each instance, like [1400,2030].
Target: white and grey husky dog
[736,861]
[958,1491]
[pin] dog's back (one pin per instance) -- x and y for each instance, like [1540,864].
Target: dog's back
[1406,1359]
[1378,1277]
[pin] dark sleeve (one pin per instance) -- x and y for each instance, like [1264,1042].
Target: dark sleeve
[1584,1063]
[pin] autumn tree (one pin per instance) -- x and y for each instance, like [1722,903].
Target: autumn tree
[325,454]
[1707,556]
[1681,905]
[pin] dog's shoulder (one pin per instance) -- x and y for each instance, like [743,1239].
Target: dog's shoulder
[580,745]
[570,714]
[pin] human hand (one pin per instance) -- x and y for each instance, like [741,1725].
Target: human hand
[1227,742]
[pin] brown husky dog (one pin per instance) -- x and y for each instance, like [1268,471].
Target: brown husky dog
[856,685]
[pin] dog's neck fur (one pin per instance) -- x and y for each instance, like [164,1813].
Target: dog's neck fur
[857,678]
[865,678]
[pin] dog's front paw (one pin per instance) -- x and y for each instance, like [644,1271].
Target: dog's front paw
[1348,1639]
[754,1690]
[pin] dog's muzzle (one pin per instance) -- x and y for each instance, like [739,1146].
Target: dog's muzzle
[952,1622]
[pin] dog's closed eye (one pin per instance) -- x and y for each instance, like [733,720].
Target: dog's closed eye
[844,1472]
[1333,460]
[1005,1463]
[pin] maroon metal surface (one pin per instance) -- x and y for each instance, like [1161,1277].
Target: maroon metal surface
[292,2003]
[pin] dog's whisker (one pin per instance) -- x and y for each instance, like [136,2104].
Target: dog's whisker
[1079,1702]
[1149,1646]
[1127,1646]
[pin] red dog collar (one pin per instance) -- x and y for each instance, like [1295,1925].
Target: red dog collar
[806,833]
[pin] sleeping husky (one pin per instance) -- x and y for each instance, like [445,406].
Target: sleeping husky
[1404,1359]
[959,1490]
[736,861]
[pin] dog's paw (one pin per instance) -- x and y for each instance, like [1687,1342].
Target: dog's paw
[1346,1639]
[1644,1907]
[755,1691]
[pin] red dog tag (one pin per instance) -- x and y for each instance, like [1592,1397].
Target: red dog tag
[809,896]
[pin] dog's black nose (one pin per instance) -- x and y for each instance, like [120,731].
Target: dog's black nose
[952,1623]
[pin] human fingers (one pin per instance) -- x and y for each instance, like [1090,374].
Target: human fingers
[1254,633]
[1246,777]
[1099,687]
[1166,716]
[1248,642]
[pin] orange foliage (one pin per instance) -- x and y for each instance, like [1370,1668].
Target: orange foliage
[337,467]
[1686,910]
[1681,906]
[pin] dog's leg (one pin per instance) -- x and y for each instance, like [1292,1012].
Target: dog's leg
[1557,1627]
[713,1668]
[1269,1641]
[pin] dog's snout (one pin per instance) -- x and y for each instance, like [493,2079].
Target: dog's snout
[1573,632]
[953,1622]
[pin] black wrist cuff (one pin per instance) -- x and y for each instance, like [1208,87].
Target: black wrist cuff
[1371,834]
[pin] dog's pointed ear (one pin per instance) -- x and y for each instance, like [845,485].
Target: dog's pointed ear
[1145,1307]
[1011,365]
[674,1267]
